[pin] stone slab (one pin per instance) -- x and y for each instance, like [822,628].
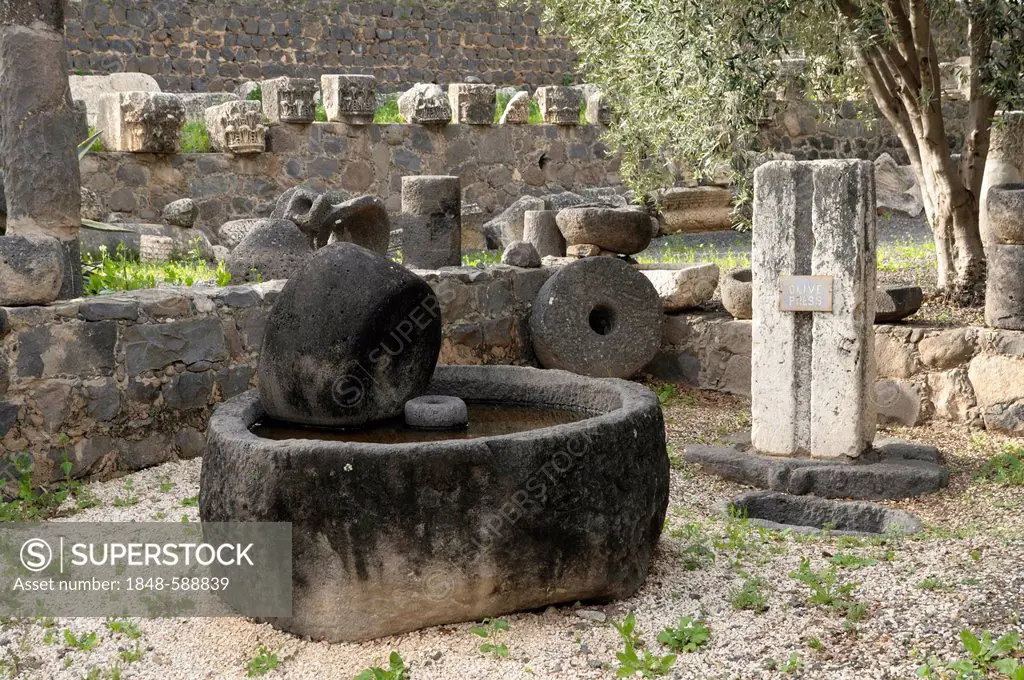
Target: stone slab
[890,470]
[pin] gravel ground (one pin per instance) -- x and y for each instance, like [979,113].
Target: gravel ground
[970,553]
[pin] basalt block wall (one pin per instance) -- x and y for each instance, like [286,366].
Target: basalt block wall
[127,381]
[496,163]
[213,46]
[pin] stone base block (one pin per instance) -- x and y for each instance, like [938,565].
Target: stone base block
[892,469]
[140,121]
[1004,296]
[809,515]
[31,270]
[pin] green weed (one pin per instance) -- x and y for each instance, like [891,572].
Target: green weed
[261,664]
[490,630]
[631,662]
[195,138]
[688,635]
[396,670]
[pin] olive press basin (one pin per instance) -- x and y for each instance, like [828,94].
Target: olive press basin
[393,537]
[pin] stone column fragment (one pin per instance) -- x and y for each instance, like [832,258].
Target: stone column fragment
[559,105]
[147,122]
[472,103]
[813,373]
[1005,162]
[541,230]
[289,100]
[237,127]
[39,129]
[349,98]
[432,221]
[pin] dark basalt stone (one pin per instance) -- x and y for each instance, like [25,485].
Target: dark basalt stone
[895,303]
[436,412]
[892,469]
[388,538]
[274,249]
[351,338]
[810,515]
[598,317]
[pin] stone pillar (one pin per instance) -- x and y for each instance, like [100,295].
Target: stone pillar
[38,132]
[541,230]
[432,221]
[1004,295]
[1005,163]
[813,372]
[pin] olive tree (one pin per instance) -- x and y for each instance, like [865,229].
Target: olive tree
[688,80]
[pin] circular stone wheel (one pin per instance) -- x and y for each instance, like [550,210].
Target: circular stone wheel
[436,412]
[598,317]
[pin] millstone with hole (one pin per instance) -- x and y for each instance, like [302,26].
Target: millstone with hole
[598,317]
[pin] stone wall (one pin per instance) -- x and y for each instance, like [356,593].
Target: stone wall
[127,381]
[217,44]
[800,129]
[497,165]
[965,375]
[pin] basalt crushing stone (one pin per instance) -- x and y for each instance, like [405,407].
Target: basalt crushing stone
[598,317]
[351,338]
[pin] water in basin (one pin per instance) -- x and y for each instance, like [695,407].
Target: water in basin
[485,420]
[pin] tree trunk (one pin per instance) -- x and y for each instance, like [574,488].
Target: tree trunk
[954,221]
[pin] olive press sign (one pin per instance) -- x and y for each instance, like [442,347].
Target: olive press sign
[805,293]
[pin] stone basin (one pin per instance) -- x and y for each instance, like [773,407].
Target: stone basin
[810,515]
[389,538]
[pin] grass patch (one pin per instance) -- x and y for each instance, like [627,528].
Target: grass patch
[195,138]
[750,596]
[97,145]
[501,103]
[913,261]
[120,272]
[673,253]
[1006,467]
[387,112]
[481,258]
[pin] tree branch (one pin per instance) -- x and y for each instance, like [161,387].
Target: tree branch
[904,31]
[982,107]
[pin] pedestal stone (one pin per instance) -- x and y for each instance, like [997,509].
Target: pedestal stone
[559,105]
[598,111]
[517,111]
[237,127]
[140,121]
[472,103]
[349,99]
[289,100]
[811,391]
[425,104]
[431,221]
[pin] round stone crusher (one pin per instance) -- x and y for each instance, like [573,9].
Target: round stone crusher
[389,538]
[598,317]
